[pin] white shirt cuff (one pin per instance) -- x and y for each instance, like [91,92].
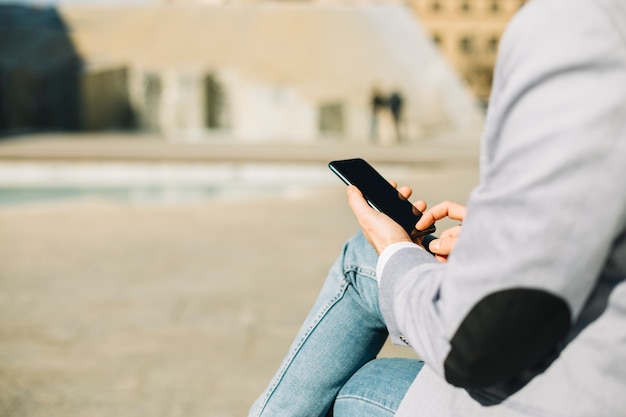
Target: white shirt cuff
[388,253]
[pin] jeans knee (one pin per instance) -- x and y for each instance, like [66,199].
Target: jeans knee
[377,389]
[358,406]
[359,256]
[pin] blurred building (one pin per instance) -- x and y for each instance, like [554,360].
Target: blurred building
[276,72]
[257,72]
[45,84]
[468,32]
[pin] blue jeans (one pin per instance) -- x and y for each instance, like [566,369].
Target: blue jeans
[331,369]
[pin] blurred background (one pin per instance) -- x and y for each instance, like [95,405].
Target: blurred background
[166,214]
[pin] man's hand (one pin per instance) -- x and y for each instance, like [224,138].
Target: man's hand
[379,229]
[443,246]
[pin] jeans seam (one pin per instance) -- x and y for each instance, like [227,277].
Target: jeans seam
[367,273]
[360,270]
[366,400]
[340,293]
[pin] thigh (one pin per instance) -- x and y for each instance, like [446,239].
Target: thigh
[343,331]
[358,263]
[377,388]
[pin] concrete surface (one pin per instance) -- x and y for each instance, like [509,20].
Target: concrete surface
[112,309]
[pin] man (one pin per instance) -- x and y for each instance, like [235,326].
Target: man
[395,103]
[527,316]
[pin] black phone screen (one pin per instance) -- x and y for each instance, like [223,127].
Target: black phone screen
[379,193]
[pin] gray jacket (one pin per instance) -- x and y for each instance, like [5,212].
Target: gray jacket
[528,317]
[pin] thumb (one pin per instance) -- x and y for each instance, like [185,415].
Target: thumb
[442,246]
[357,202]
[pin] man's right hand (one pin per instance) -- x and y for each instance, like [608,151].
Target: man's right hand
[443,246]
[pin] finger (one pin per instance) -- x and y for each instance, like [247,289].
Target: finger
[357,202]
[405,192]
[445,209]
[442,246]
[452,232]
[441,211]
[420,205]
[441,258]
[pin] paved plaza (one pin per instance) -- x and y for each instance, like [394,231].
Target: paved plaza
[117,309]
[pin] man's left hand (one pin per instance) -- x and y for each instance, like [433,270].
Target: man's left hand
[379,229]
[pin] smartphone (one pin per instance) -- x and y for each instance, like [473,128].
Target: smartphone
[380,194]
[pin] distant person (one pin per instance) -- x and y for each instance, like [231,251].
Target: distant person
[522,312]
[395,106]
[378,104]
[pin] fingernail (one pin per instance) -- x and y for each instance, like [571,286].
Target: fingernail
[434,245]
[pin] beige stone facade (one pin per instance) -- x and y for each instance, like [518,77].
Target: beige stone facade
[298,72]
[468,33]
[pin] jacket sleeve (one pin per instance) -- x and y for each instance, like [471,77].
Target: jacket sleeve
[540,225]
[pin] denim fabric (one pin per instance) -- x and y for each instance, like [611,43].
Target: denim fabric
[377,389]
[344,331]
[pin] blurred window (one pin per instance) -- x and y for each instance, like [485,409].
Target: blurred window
[492,43]
[331,119]
[215,103]
[152,89]
[437,39]
[466,45]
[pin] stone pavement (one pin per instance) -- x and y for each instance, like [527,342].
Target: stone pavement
[112,309]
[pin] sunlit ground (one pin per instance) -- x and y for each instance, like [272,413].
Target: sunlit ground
[176,296]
